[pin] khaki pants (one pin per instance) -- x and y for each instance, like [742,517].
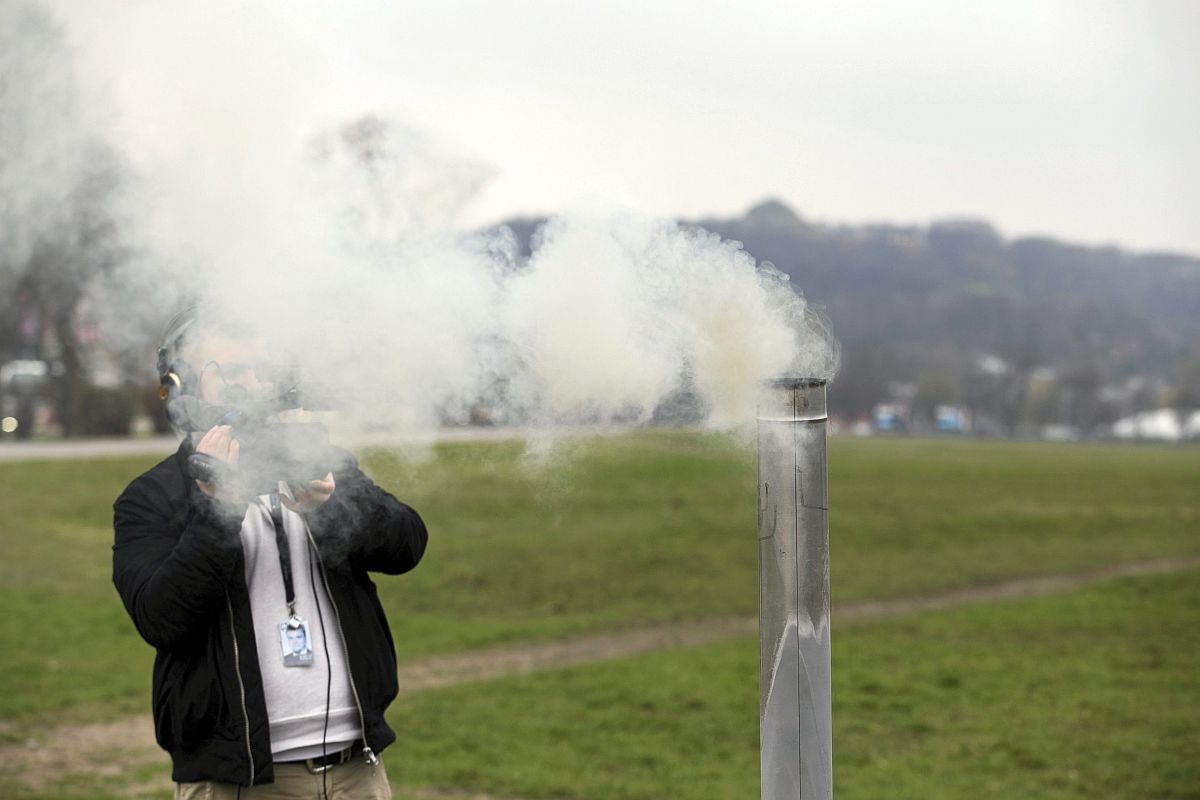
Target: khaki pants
[354,780]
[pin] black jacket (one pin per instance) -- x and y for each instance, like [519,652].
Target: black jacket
[179,568]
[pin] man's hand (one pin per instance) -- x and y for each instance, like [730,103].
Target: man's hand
[308,499]
[220,444]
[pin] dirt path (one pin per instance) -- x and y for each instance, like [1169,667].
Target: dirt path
[524,658]
[110,749]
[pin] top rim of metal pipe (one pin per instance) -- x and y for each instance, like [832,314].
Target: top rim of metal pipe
[796,383]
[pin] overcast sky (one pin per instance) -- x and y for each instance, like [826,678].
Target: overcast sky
[1074,118]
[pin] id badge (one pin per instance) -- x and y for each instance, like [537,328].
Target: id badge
[296,643]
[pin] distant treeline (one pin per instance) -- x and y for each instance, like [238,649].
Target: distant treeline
[1024,331]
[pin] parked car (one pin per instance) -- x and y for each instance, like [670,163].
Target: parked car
[23,384]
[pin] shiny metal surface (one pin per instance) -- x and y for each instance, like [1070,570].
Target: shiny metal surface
[795,697]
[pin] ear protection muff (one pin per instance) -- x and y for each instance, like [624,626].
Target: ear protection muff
[176,378]
[178,382]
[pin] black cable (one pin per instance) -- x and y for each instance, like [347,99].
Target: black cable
[328,665]
[285,556]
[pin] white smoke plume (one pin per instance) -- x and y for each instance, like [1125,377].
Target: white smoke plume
[335,238]
[345,259]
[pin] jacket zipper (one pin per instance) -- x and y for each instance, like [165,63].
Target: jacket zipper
[237,666]
[368,754]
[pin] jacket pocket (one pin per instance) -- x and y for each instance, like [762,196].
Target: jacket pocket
[187,700]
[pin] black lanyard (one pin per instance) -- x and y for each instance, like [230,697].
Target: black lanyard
[285,553]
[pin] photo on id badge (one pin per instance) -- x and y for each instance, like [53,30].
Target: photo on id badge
[293,637]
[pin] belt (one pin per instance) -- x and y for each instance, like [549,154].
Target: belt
[330,760]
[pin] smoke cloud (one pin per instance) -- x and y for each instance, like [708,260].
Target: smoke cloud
[336,241]
[367,286]
[346,261]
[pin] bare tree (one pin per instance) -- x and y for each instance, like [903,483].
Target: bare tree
[58,187]
[390,179]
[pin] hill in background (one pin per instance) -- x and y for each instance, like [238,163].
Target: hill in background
[1023,332]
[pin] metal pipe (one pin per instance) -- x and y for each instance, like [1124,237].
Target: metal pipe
[795,696]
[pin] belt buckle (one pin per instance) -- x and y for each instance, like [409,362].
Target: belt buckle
[342,756]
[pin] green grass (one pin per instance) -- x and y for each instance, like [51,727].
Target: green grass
[928,515]
[660,526]
[610,533]
[150,782]
[1094,694]
[1087,695]
[66,643]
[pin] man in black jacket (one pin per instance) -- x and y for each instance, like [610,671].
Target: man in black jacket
[216,579]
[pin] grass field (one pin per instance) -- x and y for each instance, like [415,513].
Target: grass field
[1089,694]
